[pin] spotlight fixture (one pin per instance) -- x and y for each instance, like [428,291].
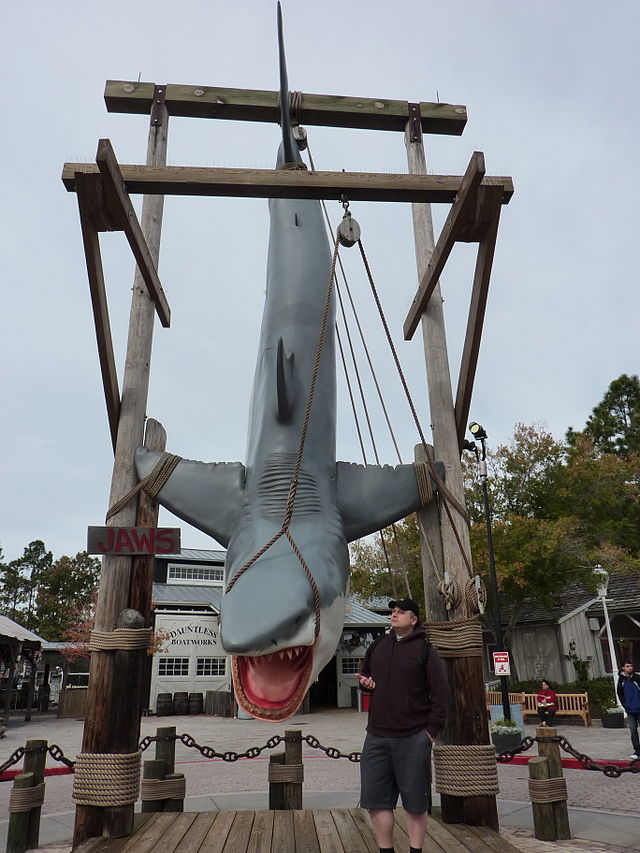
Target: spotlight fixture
[477,431]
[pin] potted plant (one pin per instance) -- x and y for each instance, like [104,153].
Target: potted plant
[612,717]
[505,735]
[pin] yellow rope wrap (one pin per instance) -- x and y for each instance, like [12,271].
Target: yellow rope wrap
[25,799]
[286,773]
[548,790]
[163,789]
[151,484]
[466,770]
[424,482]
[126,639]
[105,779]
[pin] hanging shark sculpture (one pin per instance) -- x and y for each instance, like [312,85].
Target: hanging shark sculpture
[283,612]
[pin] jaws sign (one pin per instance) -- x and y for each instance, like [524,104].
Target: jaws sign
[133,540]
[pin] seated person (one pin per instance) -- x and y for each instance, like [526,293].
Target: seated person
[547,703]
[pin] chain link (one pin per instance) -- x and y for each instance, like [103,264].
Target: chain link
[13,759]
[610,770]
[58,755]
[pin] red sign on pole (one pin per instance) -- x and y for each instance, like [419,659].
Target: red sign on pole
[501,664]
[133,540]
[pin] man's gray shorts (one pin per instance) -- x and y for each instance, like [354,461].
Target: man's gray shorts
[396,765]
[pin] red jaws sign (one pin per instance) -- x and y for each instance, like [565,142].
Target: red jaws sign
[133,540]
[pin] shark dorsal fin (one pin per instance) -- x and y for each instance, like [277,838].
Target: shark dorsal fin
[285,397]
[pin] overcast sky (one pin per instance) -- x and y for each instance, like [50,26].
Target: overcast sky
[551,94]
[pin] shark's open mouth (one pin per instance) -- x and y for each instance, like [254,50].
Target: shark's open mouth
[272,687]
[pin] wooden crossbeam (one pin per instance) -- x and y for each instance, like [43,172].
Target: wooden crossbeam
[257,105]
[86,203]
[475,322]
[463,206]
[284,183]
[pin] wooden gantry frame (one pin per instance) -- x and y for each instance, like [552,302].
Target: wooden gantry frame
[103,190]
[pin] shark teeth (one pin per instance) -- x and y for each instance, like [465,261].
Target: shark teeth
[292,653]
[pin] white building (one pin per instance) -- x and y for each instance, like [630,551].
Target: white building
[187,592]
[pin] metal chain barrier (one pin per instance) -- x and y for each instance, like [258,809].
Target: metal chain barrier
[610,770]
[54,751]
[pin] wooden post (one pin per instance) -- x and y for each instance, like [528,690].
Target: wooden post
[276,789]
[467,714]
[173,805]
[32,684]
[430,553]
[18,829]
[154,768]
[102,729]
[551,751]
[544,825]
[141,591]
[166,747]
[35,759]
[293,755]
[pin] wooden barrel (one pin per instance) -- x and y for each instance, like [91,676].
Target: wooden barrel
[180,703]
[196,703]
[164,705]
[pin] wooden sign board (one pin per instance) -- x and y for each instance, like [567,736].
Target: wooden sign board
[126,541]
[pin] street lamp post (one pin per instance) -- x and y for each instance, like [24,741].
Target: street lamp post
[602,594]
[480,435]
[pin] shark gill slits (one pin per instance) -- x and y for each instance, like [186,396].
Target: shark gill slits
[273,488]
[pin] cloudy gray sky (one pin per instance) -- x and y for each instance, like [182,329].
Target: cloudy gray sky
[551,92]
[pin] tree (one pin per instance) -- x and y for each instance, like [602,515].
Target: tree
[614,424]
[65,594]
[20,581]
[393,570]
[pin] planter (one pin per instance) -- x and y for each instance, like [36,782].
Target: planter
[503,743]
[612,721]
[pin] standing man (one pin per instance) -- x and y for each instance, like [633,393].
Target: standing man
[629,695]
[409,699]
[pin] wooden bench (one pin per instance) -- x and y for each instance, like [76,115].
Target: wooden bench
[569,704]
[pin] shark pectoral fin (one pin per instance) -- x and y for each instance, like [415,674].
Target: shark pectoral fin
[206,494]
[371,497]
[284,384]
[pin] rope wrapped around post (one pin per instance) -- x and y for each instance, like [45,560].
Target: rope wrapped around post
[423,479]
[548,790]
[465,770]
[25,799]
[151,484]
[163,789]
[125,639]
[458,638]
[105,780]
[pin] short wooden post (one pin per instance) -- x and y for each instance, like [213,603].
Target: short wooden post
[293,756]
[18,829]
[276,789]
[171,805]
[153,769]
[34,760]
[166,746]
[544,824]
[551,752]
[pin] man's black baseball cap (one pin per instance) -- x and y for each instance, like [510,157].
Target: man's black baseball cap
[406,604]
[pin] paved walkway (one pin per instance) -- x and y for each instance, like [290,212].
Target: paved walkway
[604,812]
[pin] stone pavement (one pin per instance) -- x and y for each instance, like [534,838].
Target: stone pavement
[604,812]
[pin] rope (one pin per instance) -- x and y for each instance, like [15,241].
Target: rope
[125,639]
[25,799]
[286,773]
[294,166]
[424,483]
[105,779]
[475,596]
[163,789]
[450,591]
[295,107]
[452,638]
[151,484]
[466,770]
[447,497]
[293,488]
[548,790]
[350,392]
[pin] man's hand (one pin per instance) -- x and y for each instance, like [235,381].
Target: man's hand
[366,681]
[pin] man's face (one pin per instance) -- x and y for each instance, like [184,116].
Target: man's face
[403,619]
[627,668]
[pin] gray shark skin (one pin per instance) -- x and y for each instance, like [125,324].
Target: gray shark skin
[268,623]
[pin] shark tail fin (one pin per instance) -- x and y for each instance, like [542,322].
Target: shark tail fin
[289,152]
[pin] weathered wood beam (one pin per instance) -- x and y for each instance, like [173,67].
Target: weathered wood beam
[475,323]
[125,213]
[463,205]
[86,195]
[123,96]
[282,183]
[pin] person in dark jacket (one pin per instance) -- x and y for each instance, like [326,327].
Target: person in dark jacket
[408,707]
[629,696]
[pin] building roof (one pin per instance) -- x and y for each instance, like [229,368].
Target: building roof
[204,555]
[12,631]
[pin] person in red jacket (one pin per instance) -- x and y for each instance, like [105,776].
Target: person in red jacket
[547,703]
[409,701]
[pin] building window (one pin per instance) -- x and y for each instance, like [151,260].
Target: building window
[180,573]
[211,666]
[173,666]
[351,666]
